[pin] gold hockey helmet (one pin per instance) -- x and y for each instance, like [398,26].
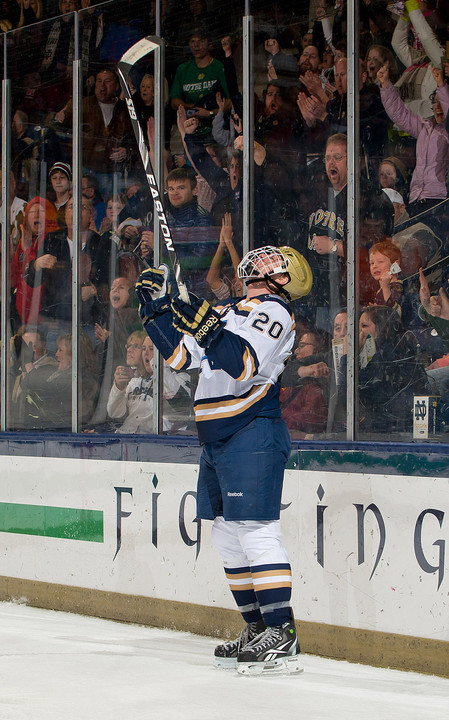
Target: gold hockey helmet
[269,261]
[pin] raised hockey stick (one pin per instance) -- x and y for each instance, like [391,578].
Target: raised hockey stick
[130,58]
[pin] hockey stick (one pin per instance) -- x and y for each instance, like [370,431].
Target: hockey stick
[125,65]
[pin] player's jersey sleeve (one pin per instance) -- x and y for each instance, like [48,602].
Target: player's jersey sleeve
[180,351]
[240,370]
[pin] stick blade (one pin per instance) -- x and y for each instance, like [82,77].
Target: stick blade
[138,51]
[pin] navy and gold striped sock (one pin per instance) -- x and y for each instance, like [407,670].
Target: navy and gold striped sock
[272,585]
[241,585]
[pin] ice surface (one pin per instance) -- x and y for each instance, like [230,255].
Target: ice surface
[70,667]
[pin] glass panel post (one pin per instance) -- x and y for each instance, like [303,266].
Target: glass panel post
[352,220]
[248,133]
[5,334]
[77,200]
[159,70]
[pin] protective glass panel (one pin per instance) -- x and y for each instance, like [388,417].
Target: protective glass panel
[204,180]
[403,226]
[39,61]
[124,401]
[114,384]
[300,201]
[300,176]
[4,243]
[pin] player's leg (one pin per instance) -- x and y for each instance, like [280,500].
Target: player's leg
[251,475]
[238,574]
[241,479]
[259,574]
[250,469]
[271,574]
[209,506]
[277,648]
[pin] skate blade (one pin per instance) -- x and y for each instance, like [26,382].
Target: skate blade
[225,663]
[284,666]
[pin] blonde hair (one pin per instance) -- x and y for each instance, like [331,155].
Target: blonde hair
[147,76]
[138,335]
[39,14]
[67,340]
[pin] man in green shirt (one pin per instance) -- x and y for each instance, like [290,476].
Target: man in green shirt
[195,80]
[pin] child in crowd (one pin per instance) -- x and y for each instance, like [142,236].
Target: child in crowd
[60,176]
[114,206]
[303,405]
[91,190]
[224,282]
[384,264]
[131,395]
[112,337]
[121,319]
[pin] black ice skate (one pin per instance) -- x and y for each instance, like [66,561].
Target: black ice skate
[225,655]
[275,650]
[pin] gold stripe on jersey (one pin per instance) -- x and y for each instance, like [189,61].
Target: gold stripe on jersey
[179,358]
[249,369]
[228,408]
[245,305]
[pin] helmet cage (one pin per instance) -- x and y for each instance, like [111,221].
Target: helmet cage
[262,263]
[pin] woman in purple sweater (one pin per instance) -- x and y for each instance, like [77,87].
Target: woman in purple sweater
[428,183]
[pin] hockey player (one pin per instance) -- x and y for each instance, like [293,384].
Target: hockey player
[241,348]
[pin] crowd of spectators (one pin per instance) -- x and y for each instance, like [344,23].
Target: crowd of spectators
[300,197]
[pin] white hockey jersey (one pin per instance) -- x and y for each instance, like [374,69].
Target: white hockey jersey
[240,370]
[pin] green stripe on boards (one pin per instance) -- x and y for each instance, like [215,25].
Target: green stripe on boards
[47,521]
[380,462]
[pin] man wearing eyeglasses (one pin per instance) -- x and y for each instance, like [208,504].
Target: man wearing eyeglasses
[327,232]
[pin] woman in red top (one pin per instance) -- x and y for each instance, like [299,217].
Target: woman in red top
[40,219]
[304,406]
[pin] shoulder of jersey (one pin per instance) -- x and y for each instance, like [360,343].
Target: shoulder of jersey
[245,306]
[240,306]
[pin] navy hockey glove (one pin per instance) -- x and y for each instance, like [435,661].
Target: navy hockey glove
[152,290]
[198,319]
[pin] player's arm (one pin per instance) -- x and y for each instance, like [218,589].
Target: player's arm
[234,355]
